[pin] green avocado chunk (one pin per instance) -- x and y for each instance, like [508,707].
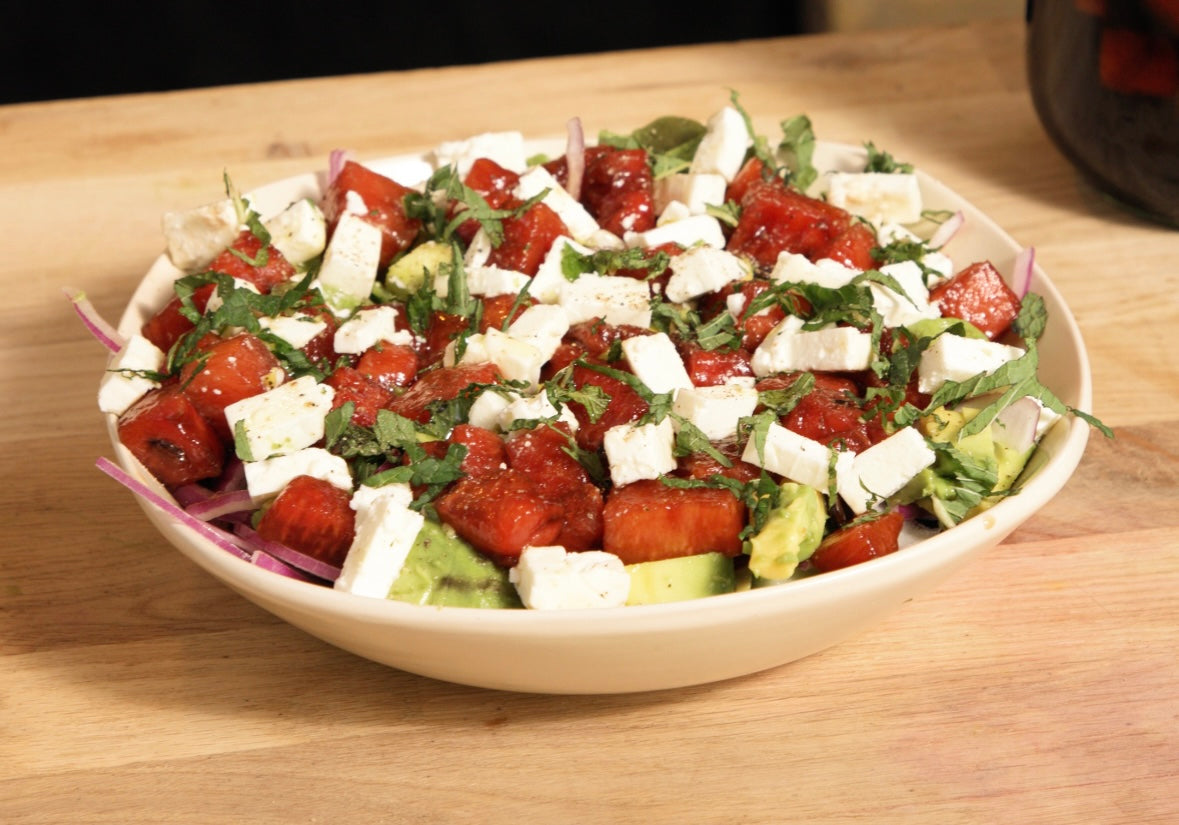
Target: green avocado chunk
[790,535]
[444,571]
[679,579]
[406,275]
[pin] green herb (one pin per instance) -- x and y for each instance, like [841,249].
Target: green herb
[880,161]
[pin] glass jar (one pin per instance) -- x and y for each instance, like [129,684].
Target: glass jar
[1104,78]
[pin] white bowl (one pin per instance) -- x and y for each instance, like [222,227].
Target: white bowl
[652,647]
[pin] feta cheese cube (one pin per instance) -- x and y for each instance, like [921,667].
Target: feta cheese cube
[267,477]
[541,325]
[792,456]
[957,358]
[505,148]
[195,237]
[299,232]
[722,149]
[297,330]
[715,410]
[283,420]
[655,361]
[899,310]
[549,578]
[490,281]
[696,191]
[703,269]
[576,217]
[882,469]
[639,451]
[788,347]
[536,407]
[350,263]
[689,231]
[488,407]
[878,197]
[614,299]
[120,387]
[516,360]
[367,328]
[793,268]
[549,278]
[386,529]
[477,254]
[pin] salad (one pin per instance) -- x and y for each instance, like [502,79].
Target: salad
[662,365]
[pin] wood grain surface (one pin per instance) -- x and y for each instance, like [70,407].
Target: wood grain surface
[1039,685]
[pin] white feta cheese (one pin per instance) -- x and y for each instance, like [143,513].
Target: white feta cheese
[541,325]
[299,232]
[367,328]
[386,529]
[655,361]
[899,310]
[788,347]
[488,407]
[674,211]
[350,263]
[615,299]
[549,278]
[689,231]
[703,269]
[477,254]
[120,386]
[266,478]
[549,578]
[517,360]
[505,148]
[297,330]
[490,281]
[283,420]
[792,456]
[696,191]
[638,451]
[956,358]
[882,469]
[576,217]
[878,197]
[791,267]
[354,203]
[722,149]
[535,407]
[715,410]
[195,237]
[940,263]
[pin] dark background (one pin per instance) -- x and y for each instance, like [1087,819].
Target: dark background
[52,49]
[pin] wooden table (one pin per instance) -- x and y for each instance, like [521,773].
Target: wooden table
[1040,685]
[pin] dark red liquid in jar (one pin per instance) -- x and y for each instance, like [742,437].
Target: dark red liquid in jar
[1104,76]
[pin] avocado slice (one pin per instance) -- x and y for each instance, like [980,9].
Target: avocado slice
[406,275]
[679,579]
[790,535]
[444,571]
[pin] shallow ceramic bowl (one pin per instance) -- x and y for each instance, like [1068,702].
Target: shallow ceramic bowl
[653,647]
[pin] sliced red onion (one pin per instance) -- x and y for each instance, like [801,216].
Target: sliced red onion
[269,562]
[220,505]
[300,561]
[575,157]
[1015,426]
[1021,274]
[216,535]
[909,511]
[947,230]
[233,477]
[107,335]
[336,161]
[187,495]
